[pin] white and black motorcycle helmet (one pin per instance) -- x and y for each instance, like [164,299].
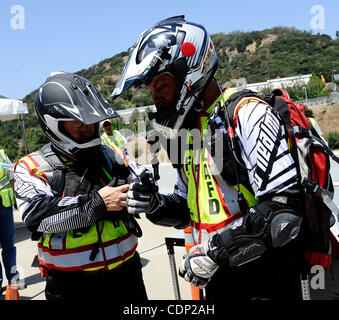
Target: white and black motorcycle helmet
[69,97]
[183,49]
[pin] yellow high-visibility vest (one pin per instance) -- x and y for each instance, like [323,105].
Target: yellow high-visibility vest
[209,211]
[6,191]
[116,144]
[69,251]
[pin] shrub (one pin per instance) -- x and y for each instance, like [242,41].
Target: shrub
[333,139]
[309,113]
[137,150]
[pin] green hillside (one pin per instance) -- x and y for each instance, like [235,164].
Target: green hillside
[256,56]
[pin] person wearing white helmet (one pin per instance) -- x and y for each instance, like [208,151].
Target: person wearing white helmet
[245,215]
[71,195]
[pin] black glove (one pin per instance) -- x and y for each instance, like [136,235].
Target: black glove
[144,196]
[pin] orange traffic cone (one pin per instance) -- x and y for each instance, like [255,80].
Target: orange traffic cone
[12,292]
[189,243]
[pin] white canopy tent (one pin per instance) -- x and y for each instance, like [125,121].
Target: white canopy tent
[14,109]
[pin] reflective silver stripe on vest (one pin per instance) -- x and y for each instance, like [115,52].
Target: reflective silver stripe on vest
[57,240]
[4,182]
[120,248]
[195,235]
[69,261]
[188,237]
[75,259]
[206,234]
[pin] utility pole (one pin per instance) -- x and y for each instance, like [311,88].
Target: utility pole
[23,132]
[334,85]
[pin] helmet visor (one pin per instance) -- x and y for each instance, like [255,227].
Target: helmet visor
[153,43]
[141,63]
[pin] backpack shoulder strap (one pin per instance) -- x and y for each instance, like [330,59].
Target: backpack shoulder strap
[59,169]
[283,109]
[232,102]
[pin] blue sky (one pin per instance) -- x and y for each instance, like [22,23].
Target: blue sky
[71,35]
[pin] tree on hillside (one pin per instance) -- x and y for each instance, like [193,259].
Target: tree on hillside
[11,148]
[315,87]
[275,52]
[36,139]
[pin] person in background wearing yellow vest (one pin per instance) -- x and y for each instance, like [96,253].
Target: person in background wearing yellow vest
[71,195]
[113,138]
[6,220]
[313,123]
[245,215]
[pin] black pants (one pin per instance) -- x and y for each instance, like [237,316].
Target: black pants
[274,276]
[123,283]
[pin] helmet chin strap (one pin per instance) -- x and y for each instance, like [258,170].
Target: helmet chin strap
[89,155]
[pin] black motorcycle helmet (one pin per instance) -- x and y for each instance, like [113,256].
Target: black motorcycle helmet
[68,97]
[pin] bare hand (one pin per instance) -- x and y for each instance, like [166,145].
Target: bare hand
[114,197]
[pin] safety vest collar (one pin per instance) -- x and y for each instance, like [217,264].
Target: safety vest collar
[35,168]
[227,92]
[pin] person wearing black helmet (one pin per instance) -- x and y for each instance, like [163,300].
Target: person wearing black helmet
[238,191]
[71,195]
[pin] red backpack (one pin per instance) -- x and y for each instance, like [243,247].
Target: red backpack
[312,157]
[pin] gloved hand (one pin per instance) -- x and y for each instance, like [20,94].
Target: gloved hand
[197,266]
[143,196]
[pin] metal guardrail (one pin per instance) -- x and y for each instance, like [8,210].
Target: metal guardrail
[125,114]
[333,97]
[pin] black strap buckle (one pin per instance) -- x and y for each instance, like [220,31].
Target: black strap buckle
[309,186]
